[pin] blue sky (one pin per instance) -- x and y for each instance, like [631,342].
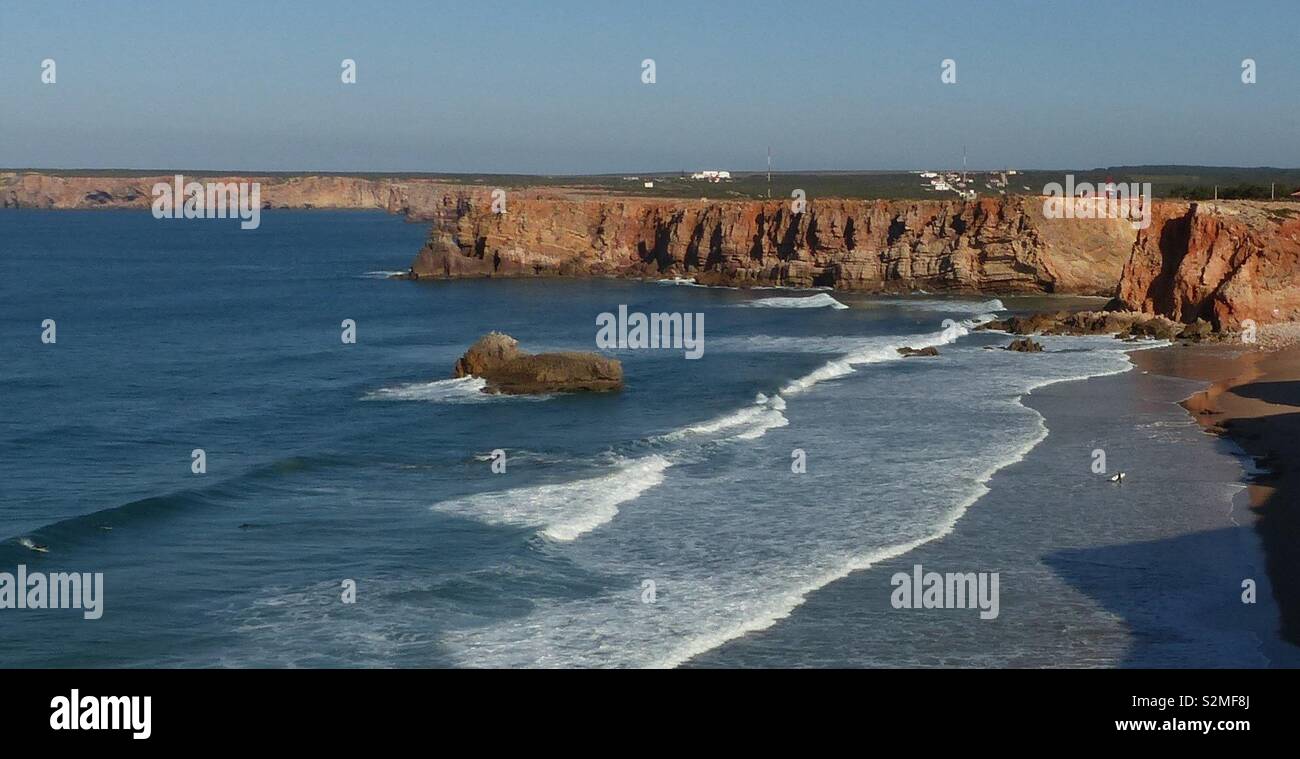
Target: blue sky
[555,86]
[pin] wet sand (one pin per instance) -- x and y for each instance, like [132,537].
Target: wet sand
[1254,401]
[1093,574]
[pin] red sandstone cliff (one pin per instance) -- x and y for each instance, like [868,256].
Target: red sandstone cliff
[1223,262]
[992,245]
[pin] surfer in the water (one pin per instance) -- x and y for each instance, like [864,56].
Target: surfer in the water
[27,543]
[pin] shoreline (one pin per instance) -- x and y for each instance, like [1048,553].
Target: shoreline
[1132,565]
[1253,401]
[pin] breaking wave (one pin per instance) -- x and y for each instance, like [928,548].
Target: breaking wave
[884,349]
[566,510]
[459,390]
[953,306]
[820,300]
[748,423]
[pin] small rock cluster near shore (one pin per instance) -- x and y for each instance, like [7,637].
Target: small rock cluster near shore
[496,358]
[1025,345]
[1124,325]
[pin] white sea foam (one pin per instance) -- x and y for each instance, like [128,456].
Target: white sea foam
[748,423]
[726,566]
[954,306]
[566,510]
[820,300]
[782,548]
[382,274]
[779,606]
[731,548]
[458,390]
[836,344]
[764,556]
[792,288]
[877,351]
[690,282]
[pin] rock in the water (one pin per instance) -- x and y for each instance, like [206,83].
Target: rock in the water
[1025,345]
[491,350]
[1125,325]
[497,358]
[1032,324]
[909,351]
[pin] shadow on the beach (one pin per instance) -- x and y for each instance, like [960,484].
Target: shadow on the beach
[1271,440]
[1281,393]
[1181,598]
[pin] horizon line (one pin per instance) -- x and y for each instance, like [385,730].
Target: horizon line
[646,172]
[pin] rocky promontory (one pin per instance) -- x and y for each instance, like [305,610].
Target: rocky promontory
[996,245]
[497,359]
[416,197]
[1224,263]
[1230,264]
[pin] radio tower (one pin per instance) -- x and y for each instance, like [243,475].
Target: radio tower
[963,164]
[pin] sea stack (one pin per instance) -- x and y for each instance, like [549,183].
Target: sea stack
[496,358]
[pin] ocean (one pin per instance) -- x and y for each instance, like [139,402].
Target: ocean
[663,525]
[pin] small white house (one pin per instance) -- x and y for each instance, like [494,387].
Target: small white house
[711,175]
[649,185]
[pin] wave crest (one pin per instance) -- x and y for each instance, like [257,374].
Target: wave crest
[820,300]
[748,423]
[459,390]
[879,352]
[567,510]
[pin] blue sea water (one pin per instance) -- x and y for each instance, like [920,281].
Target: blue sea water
[648,527]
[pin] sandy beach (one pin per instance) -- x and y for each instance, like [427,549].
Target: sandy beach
[1143,575]
[1254,401]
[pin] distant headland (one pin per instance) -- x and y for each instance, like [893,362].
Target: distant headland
[1228,262]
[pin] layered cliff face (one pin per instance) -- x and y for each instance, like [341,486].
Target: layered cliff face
[992,245]
[36,190]
[1223,262]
